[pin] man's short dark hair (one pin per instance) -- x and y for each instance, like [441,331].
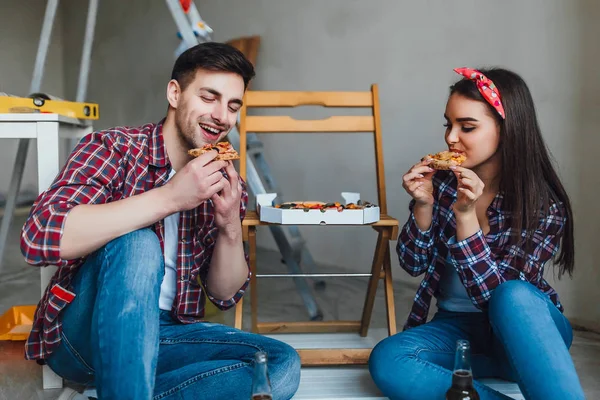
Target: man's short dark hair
[211,56]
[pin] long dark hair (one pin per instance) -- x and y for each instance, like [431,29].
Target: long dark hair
[529,182]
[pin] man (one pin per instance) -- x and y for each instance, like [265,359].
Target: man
[142,234]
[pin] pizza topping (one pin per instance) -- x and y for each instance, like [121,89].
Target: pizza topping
[225,150]
[454,156]
[221,147]
[307,206]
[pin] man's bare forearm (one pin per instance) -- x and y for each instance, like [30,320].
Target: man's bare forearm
[90,226]
[228,267]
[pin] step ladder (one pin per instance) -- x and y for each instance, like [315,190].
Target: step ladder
[192,31]
[35,87]
[49,378]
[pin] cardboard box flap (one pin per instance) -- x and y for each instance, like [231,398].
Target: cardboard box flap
[266,199]
[351,197]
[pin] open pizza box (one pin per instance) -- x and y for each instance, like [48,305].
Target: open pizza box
[269,213]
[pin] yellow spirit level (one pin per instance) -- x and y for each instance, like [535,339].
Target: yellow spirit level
[39,103]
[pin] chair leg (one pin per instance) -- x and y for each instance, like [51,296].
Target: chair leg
[253,283]
[389,293]
[239,312]
[378,257]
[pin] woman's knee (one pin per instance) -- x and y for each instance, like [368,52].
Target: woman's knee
[515,302]
[511,295]
[390,363]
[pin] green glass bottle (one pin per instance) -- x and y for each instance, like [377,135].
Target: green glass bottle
[462,377]
[261,386]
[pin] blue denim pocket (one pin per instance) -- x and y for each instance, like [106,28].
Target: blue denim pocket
[66,362]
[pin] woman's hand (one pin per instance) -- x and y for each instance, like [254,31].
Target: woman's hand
[470,188]
[418,183]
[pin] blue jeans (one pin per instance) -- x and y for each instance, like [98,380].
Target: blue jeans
[523,338]
[116,338]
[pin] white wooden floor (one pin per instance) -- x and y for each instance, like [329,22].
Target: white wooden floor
[348,383]
[353,382]
[20,379]
[356,384]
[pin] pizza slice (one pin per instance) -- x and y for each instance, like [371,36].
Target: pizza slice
[446,159]
[225,150]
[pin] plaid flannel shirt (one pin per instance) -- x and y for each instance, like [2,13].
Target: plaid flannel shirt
[107,166]
[482,261]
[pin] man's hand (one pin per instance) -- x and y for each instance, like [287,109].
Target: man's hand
[228,267]
[227,203]
[197,182]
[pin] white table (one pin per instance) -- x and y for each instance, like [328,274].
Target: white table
[47,130]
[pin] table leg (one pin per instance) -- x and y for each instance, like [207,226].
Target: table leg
[48,166]
[13,193]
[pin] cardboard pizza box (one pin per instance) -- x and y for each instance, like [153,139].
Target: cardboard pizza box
[268,213]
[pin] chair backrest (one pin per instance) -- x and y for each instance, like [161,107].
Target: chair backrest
[339,124]
[248,45]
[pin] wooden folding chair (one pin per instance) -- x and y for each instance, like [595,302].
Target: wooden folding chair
[387,227]
[248,45]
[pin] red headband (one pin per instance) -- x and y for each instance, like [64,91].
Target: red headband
[486,87]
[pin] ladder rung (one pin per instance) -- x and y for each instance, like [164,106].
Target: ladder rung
[296,243]
[252,151]
[254,143]
[313,275]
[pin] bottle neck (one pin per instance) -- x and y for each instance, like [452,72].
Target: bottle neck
[261,387]
[462,360]
[260,371]
[462,376]
[462,379]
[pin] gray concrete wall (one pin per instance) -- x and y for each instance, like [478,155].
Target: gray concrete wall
[409,49]
[21,25]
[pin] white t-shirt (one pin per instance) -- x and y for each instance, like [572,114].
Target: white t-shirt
[168,288]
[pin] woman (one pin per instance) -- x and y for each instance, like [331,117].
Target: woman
[481,234]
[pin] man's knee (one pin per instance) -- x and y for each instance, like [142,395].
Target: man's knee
[286,371]
[142,243]
[137,257]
